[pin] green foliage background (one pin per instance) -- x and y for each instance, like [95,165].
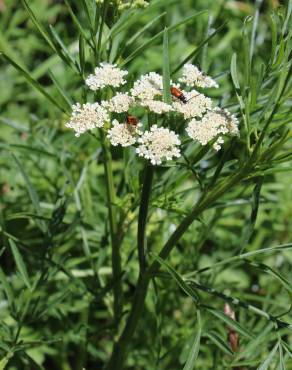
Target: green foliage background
[54,219]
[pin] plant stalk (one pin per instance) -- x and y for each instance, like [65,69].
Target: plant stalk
[121,346]
[142,219]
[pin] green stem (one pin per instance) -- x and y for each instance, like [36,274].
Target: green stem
[119,353]
[121,346]
[102,21]
[116,258]
[142,219]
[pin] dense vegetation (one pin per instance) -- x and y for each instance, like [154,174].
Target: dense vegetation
[216,291]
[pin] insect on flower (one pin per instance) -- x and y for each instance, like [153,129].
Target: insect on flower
[178,94]
[132,120]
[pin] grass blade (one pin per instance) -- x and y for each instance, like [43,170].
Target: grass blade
[166,72]
[68,102]
[33,82]
[233,69]
[20,263]
[62,50]
[6,287]
[189,365]
[219,342]
[180,281]
[195,52]
[77,23]
[265,365]
[144,46]
[32,193]
[230,322]
[40,28]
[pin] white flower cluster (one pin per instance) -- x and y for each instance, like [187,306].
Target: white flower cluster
[87,117]
[215,122]
[106,75]
[120,103]
[157,144]
[147,87]
[123,134]
[192,76]
[126,4]
[196,104]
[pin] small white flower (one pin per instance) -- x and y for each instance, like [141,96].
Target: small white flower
[106,75]
[158,144]
[120,103]
[123,134]
[132,4]
[214,123]
[196,104]
[192,76]
[157,106]
[218,142]
[147,87]
[232,121]
[86,117]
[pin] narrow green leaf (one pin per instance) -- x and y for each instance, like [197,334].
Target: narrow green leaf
[138,34]
[265,365]
[204,60]
[233,69]
[144,46]
[180,281]
[282,361]
[198,48]
[20,263]
[274,36]
[287,285]
[254,28]
[219,342]
[35,21]
[7,288]
[62,92]
[249,226]
[230,322]
[33,82]
[287,18]
[81,54]
[166,72]
[189,365]
[249,349]
[32,193]
[77,23]
[278,248]
[287,348]
[61,49]
[4,361]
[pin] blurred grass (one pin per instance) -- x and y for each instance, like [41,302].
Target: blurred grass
[53,202]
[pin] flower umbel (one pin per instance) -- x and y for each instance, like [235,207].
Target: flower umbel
[157,106]
[192,76]
[106,75]
[147,87]
[120,103]
[123,134]
[86,117]
[196,104]
[158,144]
[214,123]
